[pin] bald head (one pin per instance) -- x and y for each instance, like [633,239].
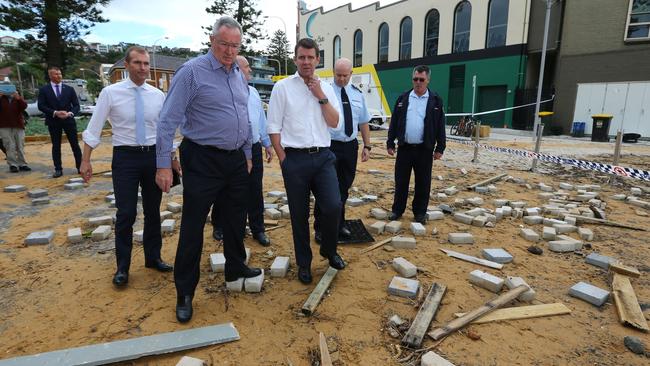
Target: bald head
[242,62]
[342,72]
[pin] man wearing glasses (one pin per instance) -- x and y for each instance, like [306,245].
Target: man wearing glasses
[208,98]
[418,124]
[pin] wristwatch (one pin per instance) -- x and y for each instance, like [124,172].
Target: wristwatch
[367,147]
[323,101]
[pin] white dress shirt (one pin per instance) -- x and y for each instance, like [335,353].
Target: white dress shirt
[295,114]
[116,103]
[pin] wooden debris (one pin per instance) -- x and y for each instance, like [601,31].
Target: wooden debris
[522,312]
[490,306]
[274,228]
[325,359]
[377,245]
[591,220]
[487,181]
[316,295]
[469,258]
[418,329]
[269,222]
[627,305]
[621,268]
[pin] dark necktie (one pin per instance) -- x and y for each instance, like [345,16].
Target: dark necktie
[347,112]
[58,93]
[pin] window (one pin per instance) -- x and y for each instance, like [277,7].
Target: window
[497,23]
[431,27]
[382,52]
[321,62]
[405,38]
[358,48]
[337,50]
[462,21]
[638,26]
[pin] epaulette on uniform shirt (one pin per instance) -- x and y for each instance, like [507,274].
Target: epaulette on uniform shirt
[356,88]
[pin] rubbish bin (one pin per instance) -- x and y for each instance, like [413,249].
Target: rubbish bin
[600,127]
[578,129]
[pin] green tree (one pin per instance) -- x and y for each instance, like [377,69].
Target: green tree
[56,21]
[279,49]
[246,13]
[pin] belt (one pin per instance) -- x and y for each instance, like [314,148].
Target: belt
[135,148]
[344,142]
[309,150]
[410,145]
[214,148]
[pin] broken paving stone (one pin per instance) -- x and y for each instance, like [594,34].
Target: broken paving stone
[254,284]
[514,282]
[271,205]
[497,255]
[15,188]
[549,233]
[75,180]
[101,232]
[636,191]
[533,249]
[167,226]
[280,267]
[404,267]
[418,229]
[377,228]
[174,207]
[450,191]
[634,344]
[100,220]
[404,287]
[190,361]
[217,262]
[600,260]
[369,198]
[460,238]
[589,293]
[39,237]
[435,215]
[479,221]
[72,186]
[236,285]
[40,201]
[481,189]
[518,204]
[37,193]
[276,194]
[388,248]
[164,215]
[272,213]
[354,202]
[378,213]
[476,201]
[393,226]
[486,280]
[641,213]
[585,234]
[464,218]
[433,359]
[396,321]
[619,197]
[138,236]
[529,234]
[74,235]
[403,242]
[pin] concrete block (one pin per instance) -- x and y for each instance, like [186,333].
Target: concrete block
[174,207]
[100,220]
[450,191]
[548,233]
[111,204]
[551,222]
[533,220]
[481,189]
[369,198]
[37,193]
[584,197]
[476,201]
[566,186]
[280,267]
[492,188]
[459,202]
[577,244]
[460,238]
[518,204]
[377,228]
[636,191]
[76,180]
[404,267]
[585,234]
[498,213]
[108,174]
[254,284]
[191,361]
[404,287]
[273,213]
[15,188]
[464,218]
[570,220]
[435,215]
[433,359]
[418,229]
[138,236]
[248,255]
[619,197]
[393,226]
[532,211]
[589,293]
[486,280]
[512,282]
[374,171]
[354,202]
[40,201]
[517,213]
[168,225]
[497,255]
[110,197]
[72,186]
[599,260]
[499,202]
[507,210]
[236,285]
[529,234]
[285,212]
[475,212]
[442,197]
[39,237]
[479,221]
[545,195]
[564,228]
[74,235]
[403,242]
[217,262]
[276,194]
[561,246]
[164,215]
[271,205]
[102,232]
[379,213]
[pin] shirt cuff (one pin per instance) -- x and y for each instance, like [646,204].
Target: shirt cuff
[89,139]
[248,153]
[163,162]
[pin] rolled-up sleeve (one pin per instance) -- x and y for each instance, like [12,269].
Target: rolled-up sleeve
[93,132]
[276,110]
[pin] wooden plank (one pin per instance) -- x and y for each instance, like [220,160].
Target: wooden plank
[487,181]
[316,295]
[522,312]
[469,258]
[413,338]
[592,220]
[269,222]
[377,245]
[274,228]
[627,305]
[624,270]
[489,306]
[325,358]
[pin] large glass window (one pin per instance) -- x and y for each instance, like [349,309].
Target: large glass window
[382,51]
[337,50]
[462,22]
[497,23]
[638,27]
[431,31]
[405,36]
[358,48]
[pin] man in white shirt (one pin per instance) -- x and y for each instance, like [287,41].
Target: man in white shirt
[299,116]
[132,107]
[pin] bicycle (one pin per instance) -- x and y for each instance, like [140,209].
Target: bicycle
[464,127]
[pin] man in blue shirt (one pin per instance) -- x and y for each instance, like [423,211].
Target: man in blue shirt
[354,118]
[418,124]
[255,208]
[208,98]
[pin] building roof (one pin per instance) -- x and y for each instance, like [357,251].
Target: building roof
[162,62]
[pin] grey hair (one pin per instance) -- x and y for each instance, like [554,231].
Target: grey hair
[422,68]
[225,21]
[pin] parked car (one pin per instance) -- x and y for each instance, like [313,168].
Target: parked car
[87,110]
[32,110]
[377,119]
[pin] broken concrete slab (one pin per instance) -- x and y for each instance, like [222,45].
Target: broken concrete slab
[280,267]
[75,235]
[369,198]
[450,191]
[497,255]
[102,232]
[619,197]
[564,228]
[403,242]
[476,201]
[518,204]
[271,205]
[589,293]
[190,361]
[39,237]
[600,260]
[561,246]
[404,267]
[460,238]
[404,287]
[514,282]
[500,202]
[276,194]
[37,193]
[479,221]
[486,280]
[285,212]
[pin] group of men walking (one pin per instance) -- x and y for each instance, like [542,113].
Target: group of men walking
[312,128]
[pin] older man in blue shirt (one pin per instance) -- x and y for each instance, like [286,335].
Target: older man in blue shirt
[209,95]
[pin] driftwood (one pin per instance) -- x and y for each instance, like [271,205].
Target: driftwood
[413,338]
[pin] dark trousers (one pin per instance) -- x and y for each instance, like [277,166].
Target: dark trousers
[303,173]
[56,131]
[130,170]
[420,160]
[209,173]
[346,168]
[255,207]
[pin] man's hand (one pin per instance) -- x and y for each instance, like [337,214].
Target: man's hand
[176,166]
[365,154]
[249,165]
[391,151]
[164,179]
[437,156]
[61,114]
[269,154]
[314,87]
[86,170]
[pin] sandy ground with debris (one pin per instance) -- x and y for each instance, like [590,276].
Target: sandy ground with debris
[60,295]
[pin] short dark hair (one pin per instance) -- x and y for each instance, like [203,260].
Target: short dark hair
[138,49]
[422,68]
[307,43]
[53,68]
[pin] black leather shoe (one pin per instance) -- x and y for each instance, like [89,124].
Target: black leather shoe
[247,273]
[160,266]
[262,239]
[25,168]
[184,308]
[344,233]
[318,237]
[217,234]
[57,173]
[13,169]
[121,278]
[422,219]
[304,275]
[393,216]
[335,260]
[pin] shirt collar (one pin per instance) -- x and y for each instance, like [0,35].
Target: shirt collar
[413,95]
[216,64]
[54,84]
[131,85]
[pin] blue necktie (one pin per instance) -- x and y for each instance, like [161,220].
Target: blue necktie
[56,89]
[140,136]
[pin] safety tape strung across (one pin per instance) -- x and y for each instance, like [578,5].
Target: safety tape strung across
[582,164]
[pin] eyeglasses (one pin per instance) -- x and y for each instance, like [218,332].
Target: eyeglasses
[234,46]
[420,79]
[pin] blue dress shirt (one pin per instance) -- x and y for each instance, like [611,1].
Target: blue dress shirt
[257,118]
[360,114]
[415,114]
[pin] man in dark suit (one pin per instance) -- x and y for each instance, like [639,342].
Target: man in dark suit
[59,103]
[418,124]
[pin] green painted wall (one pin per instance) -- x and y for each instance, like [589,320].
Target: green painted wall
[507,71]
